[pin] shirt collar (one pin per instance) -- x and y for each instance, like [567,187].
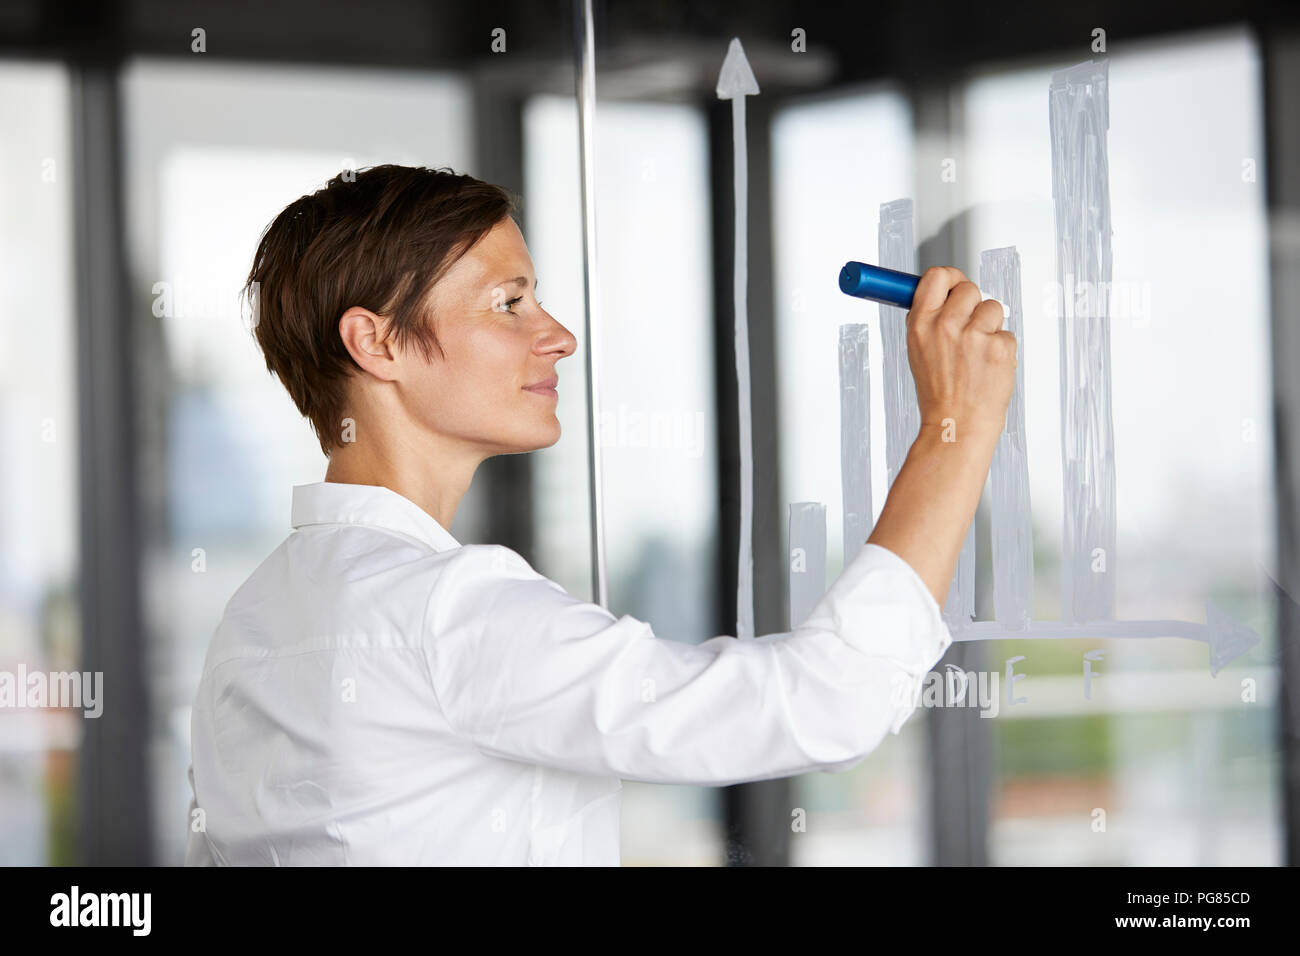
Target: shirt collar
[333,502]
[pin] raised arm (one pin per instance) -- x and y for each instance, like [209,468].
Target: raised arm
[528,672]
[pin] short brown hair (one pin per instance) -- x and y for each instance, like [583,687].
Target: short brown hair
[378,238]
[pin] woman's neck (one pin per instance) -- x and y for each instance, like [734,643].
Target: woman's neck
[430,473]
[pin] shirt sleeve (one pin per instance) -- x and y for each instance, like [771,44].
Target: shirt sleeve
[529,672]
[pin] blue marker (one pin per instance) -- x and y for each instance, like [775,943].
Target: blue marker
[878,284]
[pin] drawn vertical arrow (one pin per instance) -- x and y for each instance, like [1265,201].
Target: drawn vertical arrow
[735,82]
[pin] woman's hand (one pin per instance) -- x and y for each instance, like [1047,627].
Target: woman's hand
[964,366]
[962,361]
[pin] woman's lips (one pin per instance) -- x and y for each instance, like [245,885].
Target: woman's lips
[546,387]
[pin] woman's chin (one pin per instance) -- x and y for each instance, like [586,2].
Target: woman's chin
[537,439]
[551,436]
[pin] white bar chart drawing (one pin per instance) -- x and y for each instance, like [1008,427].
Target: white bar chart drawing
[1079,116]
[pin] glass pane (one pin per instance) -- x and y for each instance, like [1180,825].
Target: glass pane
[834,162]
[657,412]
[1185,771]
[39,535]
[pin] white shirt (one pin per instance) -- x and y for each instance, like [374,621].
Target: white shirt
[378,694]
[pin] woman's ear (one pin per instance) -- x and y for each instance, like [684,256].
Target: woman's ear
[364,335]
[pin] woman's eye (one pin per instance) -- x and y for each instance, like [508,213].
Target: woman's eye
[518,298]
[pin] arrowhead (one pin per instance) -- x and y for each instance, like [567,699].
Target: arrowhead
[736,78]
[1228,639]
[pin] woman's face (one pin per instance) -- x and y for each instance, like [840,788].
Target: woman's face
[496,386]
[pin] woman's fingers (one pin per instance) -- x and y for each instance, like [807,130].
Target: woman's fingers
[988,316]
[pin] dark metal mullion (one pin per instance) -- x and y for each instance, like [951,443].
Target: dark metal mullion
[1281,77]
[757,815]
[113,778]
[958,756]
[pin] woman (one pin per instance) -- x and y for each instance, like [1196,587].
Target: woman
[377,693]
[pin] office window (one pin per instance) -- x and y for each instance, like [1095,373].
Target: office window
[1186,772]
[39,534]
[834,161]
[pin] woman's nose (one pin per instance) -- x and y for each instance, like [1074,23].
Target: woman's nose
[558,339]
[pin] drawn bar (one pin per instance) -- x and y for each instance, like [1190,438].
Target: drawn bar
[855,438]
[1079,110]
[1012,525]
[897,249]
[807,558]
[959,605]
